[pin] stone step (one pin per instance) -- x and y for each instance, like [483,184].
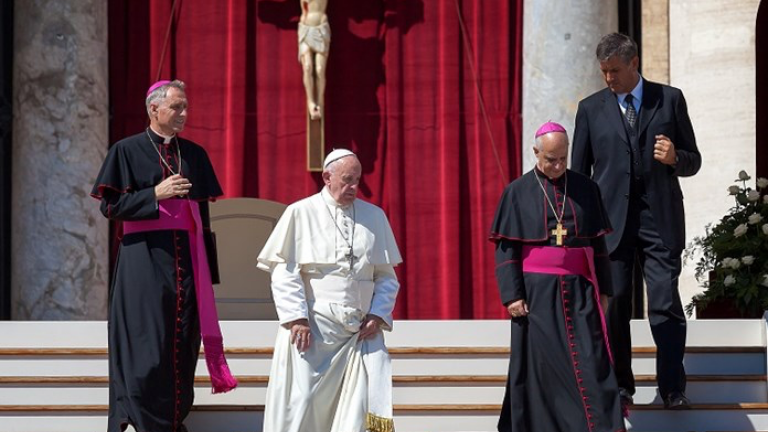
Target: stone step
[434,389]
[408,418]
[743,360]
[408,379]
[396,351]
[433,362]
[421,333]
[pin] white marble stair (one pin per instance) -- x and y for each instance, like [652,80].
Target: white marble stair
[449,376]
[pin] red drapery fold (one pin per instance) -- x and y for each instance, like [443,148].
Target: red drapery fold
[401,93]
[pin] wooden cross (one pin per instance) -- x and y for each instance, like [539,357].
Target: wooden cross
[560,232]
[315,144]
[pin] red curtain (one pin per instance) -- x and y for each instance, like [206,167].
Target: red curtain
[406,88]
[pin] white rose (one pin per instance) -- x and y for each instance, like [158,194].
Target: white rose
[733,190]
[735,264]
[765,199]
[740,230]
[765,280]
[753,195]
[748,260]
[765,229]
[762,182]
[743,175]
[755,218]
[729,280]
[726,262]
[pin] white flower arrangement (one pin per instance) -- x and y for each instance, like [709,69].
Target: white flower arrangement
[754,218]
[740,233]
[743,176]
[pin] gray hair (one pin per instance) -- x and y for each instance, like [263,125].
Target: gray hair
[537,141]
[616,44]
[159,94]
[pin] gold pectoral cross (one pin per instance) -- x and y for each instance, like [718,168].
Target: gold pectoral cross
[560,232]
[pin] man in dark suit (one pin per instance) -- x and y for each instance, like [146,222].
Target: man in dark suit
[634,138]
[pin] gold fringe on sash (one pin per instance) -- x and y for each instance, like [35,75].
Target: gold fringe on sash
[374,423]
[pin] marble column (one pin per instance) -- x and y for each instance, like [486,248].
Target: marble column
[712,59]
[655,25]
[559,65]
[60,131]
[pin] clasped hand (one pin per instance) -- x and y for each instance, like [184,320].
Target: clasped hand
[517,309]
[664,150]
[370,326]
[301,334]
[175,185]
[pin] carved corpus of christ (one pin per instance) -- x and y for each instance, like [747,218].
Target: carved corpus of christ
[314,46]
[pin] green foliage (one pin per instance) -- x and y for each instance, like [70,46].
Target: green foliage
[733,263]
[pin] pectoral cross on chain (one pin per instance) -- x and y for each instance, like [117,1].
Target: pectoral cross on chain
[560,232]
[351,257]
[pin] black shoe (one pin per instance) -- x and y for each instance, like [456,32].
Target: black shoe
[677,401]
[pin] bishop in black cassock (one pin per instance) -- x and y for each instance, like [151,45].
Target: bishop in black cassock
[552,271]
[154,324]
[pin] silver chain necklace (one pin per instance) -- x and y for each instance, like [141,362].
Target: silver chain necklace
[351,242]
[178,152]
[559,231]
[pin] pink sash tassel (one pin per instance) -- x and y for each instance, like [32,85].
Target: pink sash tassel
[222,379]
[564,261]
[176,214]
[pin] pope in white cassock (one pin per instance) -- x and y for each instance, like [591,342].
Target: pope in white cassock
[332,260]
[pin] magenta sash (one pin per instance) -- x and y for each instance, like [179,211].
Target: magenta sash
[184,215]
[567,261]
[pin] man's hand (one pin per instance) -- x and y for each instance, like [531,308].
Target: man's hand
[518,309]
[301,335]
[664,150]
[175,185]
[370,326]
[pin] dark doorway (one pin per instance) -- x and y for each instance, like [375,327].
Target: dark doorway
[6,121]
[761,90]
[630,24]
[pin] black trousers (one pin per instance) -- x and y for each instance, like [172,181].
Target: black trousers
[661,270]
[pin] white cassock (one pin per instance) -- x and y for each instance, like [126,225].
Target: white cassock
[338,385]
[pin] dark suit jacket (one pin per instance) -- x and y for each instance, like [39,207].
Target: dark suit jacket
[601,150]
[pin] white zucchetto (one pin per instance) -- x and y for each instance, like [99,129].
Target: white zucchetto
[335,155]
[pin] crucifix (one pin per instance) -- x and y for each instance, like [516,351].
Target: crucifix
[351,257]
[560,232]
[314,46]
